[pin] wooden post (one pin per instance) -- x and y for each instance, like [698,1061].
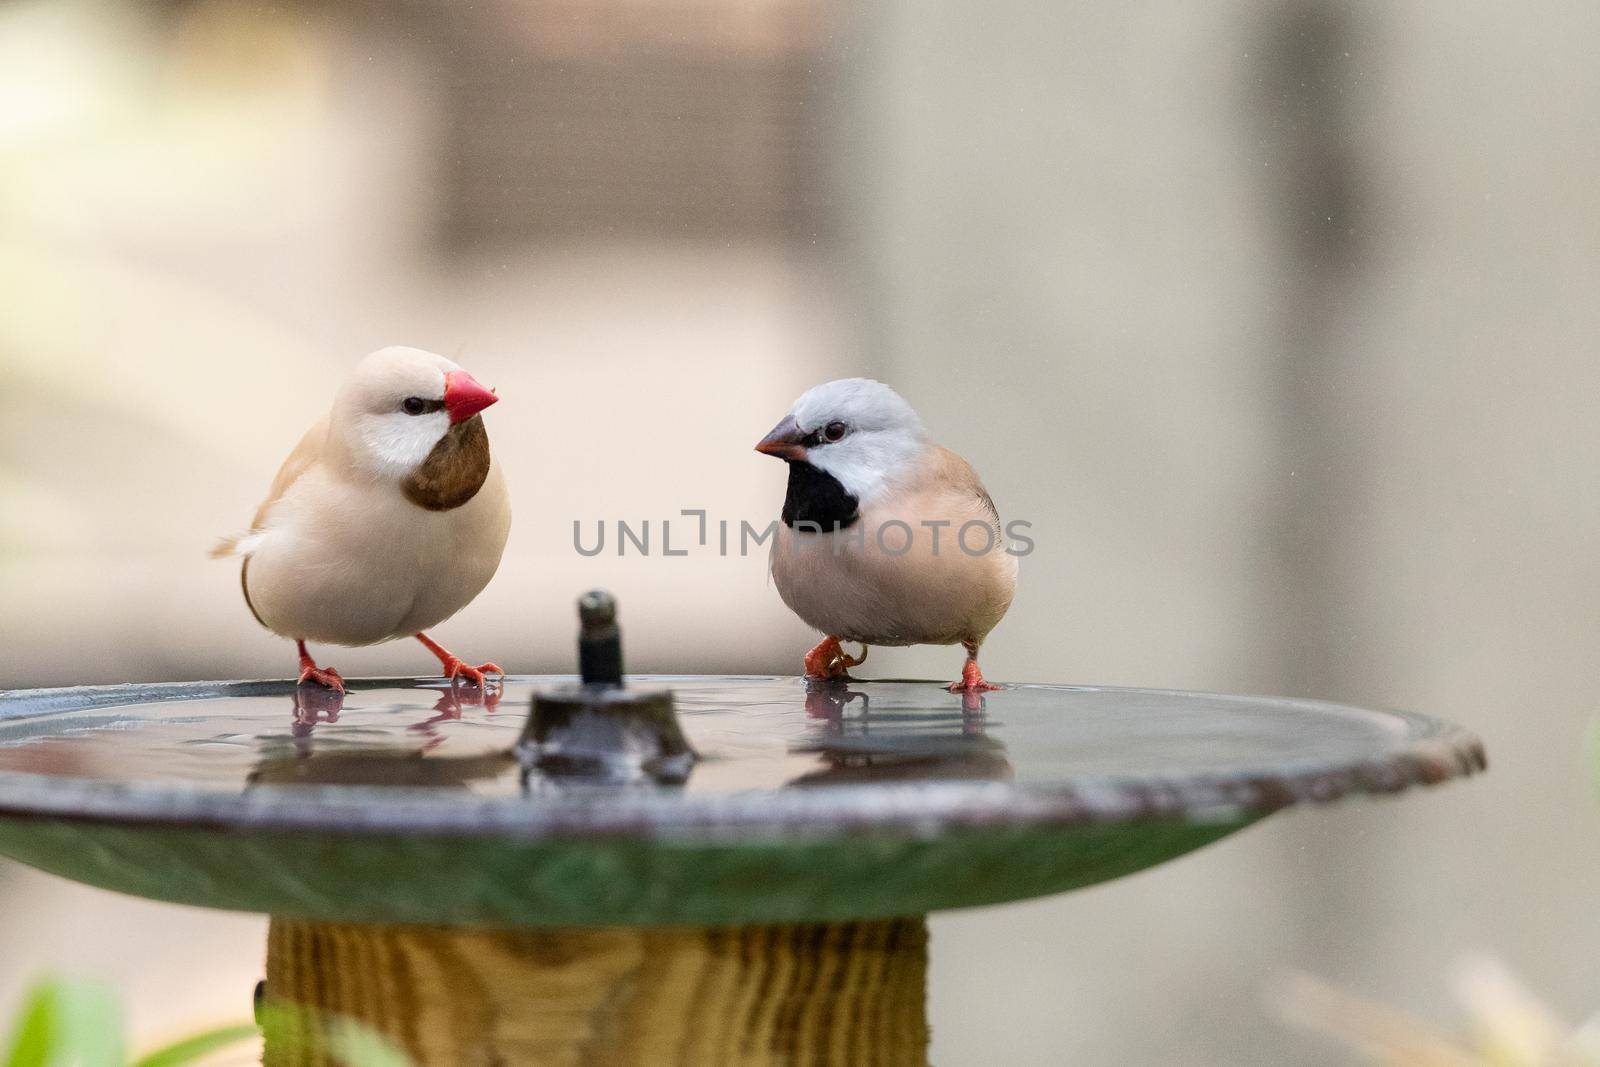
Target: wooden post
[850,994]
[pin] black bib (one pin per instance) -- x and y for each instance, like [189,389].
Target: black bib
[817,497]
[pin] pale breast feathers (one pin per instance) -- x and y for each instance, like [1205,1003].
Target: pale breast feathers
[883,590]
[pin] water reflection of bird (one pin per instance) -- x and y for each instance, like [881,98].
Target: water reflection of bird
[449,706]
[377,767]
[306,763]
[314,704]
[887,538]
[829,699]
[895,745]
[388,518]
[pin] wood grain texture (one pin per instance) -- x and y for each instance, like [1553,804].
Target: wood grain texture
[810,994]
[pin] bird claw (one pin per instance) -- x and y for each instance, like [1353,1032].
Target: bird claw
[972,681]
[822,669]
[830,661]
[326,677]
[454,668]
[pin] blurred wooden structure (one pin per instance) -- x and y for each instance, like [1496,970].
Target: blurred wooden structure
[685,119]
[842,993]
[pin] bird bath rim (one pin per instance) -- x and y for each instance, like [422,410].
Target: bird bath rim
[1426,751]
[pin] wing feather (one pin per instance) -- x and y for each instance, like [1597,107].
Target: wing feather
[955,475]
[302,459]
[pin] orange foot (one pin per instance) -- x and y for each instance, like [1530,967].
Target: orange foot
[323,676]
[972,680]
[454,668]
[828,660]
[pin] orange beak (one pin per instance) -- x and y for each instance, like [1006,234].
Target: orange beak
[784,441]
[464,397]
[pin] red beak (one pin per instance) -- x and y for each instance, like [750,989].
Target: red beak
[784,441]
[464,397]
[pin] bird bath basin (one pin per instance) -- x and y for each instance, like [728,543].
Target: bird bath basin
[829,801]
[741,881]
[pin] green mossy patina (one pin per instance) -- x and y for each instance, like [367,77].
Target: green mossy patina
[472,881]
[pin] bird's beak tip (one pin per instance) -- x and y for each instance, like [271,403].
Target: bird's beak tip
[783,442]
[781,450]
[464,397]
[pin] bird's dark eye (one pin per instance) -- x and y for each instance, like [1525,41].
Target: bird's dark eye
[833,431]
[414,405]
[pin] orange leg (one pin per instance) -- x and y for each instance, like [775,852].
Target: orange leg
[310,672]
[971,677]
[828,660]
[454,668]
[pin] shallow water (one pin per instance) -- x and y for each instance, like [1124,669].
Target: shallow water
[752,734]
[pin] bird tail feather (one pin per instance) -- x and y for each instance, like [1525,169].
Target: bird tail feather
[236,545]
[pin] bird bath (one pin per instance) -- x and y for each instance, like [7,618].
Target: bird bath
[766,906]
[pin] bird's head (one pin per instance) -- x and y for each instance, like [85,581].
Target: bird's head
[857,430]
[399,403]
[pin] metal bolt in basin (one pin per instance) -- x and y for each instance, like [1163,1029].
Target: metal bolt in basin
[600,730]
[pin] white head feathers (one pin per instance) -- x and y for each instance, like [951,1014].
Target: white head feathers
[881,434]
[369,419]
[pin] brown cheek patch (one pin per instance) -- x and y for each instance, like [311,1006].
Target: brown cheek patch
[454,471]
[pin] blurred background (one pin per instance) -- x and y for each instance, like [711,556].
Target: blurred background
[1277,319]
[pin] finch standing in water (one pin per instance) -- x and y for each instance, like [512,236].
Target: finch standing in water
[887,538]
[389,516]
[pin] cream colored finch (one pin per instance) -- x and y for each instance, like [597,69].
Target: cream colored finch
[386,519]
[887,538]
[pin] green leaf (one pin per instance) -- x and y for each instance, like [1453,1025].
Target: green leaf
[296,1032]
[30,1044]
[68,1024]
[361,1046]
[193,1048]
